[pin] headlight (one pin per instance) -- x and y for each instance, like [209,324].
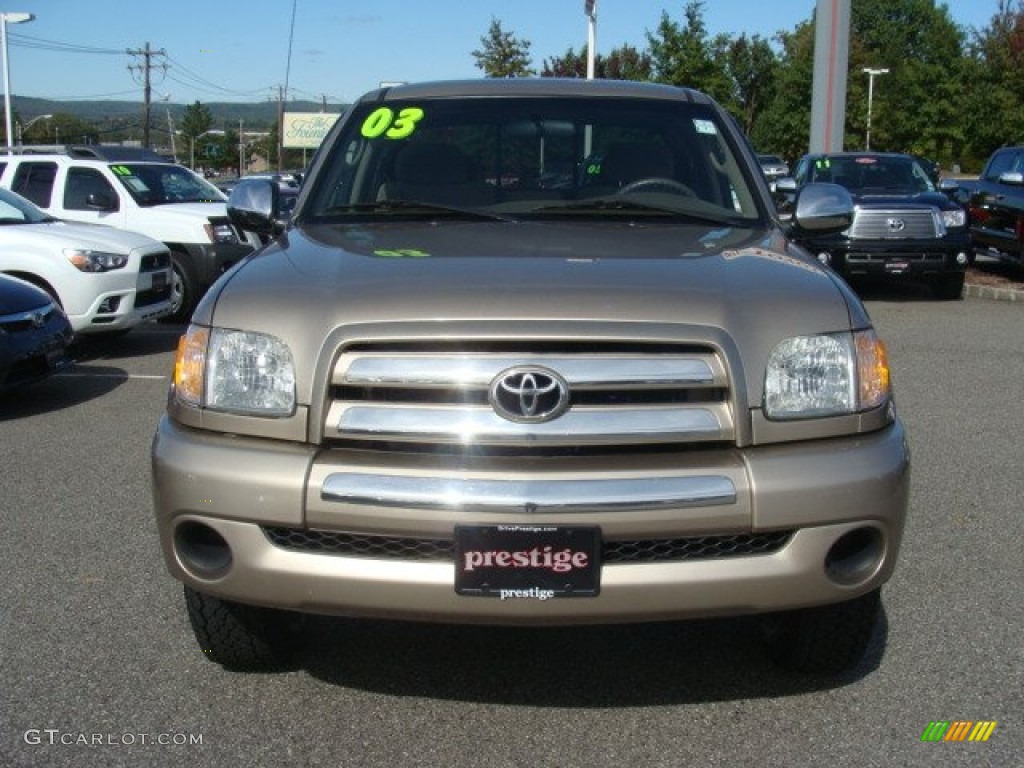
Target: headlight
[95,261]
[220,232]
[957,218]
[235,371]
[826,375]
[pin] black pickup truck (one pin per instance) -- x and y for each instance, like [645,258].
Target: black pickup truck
[995,204]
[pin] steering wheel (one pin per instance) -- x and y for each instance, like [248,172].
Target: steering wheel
[653,183]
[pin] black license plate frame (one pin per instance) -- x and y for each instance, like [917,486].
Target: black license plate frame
[527,561]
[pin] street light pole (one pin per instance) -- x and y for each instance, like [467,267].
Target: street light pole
[23,129]
[5,19]
[590,9]
[871,73]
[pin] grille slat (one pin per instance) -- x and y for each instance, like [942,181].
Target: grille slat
[704,547]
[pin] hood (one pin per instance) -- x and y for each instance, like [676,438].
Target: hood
[513,279]
[895,200]
[18,296]
[66,234]
[191,211]
[480,271]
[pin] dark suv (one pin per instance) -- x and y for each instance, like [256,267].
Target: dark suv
[903,226]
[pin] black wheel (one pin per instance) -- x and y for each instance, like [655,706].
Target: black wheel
[827,640]
[242,637]
[183,291]
[656,184]
[949,287]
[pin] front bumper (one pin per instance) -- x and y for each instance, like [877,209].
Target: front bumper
[894,258]
[240,488]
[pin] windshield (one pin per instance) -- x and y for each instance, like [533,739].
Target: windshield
[530,157]
[873,174]
[162,183]
[14,209]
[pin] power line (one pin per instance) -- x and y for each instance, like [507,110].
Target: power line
[26,41]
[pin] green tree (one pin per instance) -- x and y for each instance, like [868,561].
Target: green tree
[683,55]
[784,125]
[623,63]
[195,121]
[752,69]
[917,106]
[993,111]
[59,128]
[501,54]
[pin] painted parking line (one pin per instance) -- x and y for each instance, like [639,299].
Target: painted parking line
[73,375]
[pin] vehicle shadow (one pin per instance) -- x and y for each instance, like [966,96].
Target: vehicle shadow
[147,339]
[78,384]
[594,667]
[892,290]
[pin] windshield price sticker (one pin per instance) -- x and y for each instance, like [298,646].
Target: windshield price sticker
[527,562]
[383,122]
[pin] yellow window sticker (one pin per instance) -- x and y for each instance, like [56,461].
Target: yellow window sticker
[383,122]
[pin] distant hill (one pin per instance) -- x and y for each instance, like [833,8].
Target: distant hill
[253,114]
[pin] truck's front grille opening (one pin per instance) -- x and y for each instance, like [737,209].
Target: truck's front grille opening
[703,547]
[489,396]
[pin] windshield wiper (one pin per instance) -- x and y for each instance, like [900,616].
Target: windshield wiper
[604,204]
[416,206]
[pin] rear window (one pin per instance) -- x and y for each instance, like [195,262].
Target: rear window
[34,181]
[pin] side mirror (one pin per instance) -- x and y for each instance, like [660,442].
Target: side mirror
[253,207]
[101,201]
[823,209]
[949,185]
[1013,178]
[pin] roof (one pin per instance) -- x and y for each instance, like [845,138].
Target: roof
[114,153]
[536,87]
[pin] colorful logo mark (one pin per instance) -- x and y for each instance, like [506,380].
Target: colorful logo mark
[958,730]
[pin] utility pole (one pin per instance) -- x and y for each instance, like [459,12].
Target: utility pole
[145,69]
[281,95]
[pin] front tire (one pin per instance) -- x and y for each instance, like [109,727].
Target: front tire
[824,640]
[183,291]
[241,637]
[949,287]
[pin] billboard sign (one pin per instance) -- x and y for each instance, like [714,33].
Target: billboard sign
[306,130]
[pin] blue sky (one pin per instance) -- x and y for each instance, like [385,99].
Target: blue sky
[225,50]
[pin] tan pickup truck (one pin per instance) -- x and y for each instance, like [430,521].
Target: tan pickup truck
[532,352]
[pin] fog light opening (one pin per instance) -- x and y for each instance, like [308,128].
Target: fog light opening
[962,259]
[855,557]
[109,305]
[202,550]
[825,257]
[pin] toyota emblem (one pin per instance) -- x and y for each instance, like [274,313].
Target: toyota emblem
[529,394]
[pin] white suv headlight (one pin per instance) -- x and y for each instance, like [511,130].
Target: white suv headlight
[95,261]
[826,375]
[235,371]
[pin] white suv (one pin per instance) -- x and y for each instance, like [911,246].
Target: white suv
[138,190]
[104,279]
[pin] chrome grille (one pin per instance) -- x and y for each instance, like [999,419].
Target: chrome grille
[896,224]
[668,396]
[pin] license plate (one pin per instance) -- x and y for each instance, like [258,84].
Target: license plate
[539,562]
[897,266]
